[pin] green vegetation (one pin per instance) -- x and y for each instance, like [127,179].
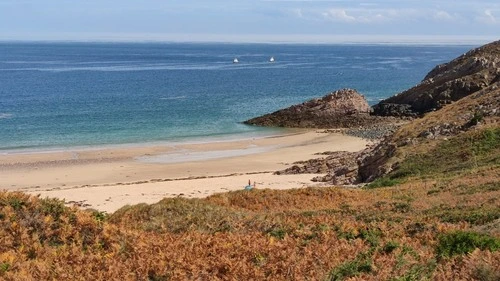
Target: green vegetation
[463,242]
[417,273]
[471,150]
[389,247]
[277,232]
[477,216]
[477,117]
[350,269]
[4,266]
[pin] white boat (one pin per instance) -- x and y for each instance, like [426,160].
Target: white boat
[271,59]
[235,60]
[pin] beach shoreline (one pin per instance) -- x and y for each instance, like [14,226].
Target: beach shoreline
[108,178]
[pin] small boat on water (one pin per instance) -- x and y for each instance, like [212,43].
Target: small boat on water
[235,60]
[271,59]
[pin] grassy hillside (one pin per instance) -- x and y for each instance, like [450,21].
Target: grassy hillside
[457,132]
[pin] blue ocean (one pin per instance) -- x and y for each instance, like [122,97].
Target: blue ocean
[63,95]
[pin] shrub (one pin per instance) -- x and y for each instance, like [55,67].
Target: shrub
[14,201]
[99,216]
[53,207]
[401,207]
[472,216]
[476,118]
[389,247]
[418,272]
[349,269]
[487,141]
[4,266]
[463,242]
[372,236]
[177,215]
[277,232]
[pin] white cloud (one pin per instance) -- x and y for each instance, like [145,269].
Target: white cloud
[356,15]
[487,17]
[442,16]
[373,18]
[365,15]
[338,15]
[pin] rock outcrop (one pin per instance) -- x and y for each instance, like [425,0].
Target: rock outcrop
[372,162]
[447,83]
[341,109]
[340,168]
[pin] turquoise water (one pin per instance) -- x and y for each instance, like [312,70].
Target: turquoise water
[59,95]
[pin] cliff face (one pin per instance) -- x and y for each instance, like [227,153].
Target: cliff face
[339,109]
[446,83]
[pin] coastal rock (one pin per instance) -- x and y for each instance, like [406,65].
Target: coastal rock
[447,83]
[375,131]
[394,109]
[340,168]
[340,109]
[372,162]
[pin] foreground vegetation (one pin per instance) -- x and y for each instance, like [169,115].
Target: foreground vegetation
[405,233]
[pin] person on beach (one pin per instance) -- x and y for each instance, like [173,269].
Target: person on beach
[249,186]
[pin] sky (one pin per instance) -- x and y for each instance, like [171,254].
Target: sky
[251,21]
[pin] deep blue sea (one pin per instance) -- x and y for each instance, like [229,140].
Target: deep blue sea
[60,95]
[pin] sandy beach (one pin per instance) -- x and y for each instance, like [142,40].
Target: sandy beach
[108,178]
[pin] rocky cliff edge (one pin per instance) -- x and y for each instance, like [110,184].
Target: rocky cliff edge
[475,70]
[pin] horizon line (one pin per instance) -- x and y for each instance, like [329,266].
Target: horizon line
[258,39]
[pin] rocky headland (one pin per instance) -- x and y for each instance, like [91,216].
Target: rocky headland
[452,99]
[345,108]
[475,70]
